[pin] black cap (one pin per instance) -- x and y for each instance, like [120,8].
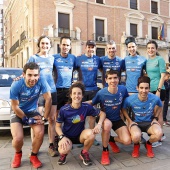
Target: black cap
[90,42]
[129,40]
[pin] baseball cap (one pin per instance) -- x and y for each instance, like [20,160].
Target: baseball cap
[90,42]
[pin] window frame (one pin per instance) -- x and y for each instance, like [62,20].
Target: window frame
[158,6]
[137,5]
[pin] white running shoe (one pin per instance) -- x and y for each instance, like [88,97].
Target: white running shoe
[163,138]
[156,144]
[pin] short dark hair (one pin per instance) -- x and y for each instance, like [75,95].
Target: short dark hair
[153,42]
[129,40]
[143,79]
[31,66]
[39,40]
[76,84]
[65,37]
[111,72]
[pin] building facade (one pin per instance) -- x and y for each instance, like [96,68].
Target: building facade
[1,35]
[98,20]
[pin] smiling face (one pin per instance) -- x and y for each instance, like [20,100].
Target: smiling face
[31,77]
[143,90]
[111,50]
[132,48]
[112,80]
[65,46]
[151,50]
[44,45]
[90,49]
[76,96]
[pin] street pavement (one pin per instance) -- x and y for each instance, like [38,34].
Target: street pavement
[119,161]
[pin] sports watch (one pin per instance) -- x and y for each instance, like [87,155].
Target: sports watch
[44,119]
[61,136]
[159,89]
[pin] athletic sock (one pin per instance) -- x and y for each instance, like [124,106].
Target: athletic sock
[112,139]
[105,148]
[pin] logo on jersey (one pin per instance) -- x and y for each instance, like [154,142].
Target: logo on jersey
[77,119]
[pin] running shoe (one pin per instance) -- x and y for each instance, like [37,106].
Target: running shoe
[85,157]
[96,143]
[114,147]
[62,159]
[156,144]
[135,153]
[35,161]
[52,151]
[150,153]
[17,160]
[105,160]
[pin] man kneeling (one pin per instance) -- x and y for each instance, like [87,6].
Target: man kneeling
[145,110]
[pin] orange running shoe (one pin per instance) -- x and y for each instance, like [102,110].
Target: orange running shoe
[135,153]
[35,161]
[150,153]
[105,160]
[114,147]
[17,160]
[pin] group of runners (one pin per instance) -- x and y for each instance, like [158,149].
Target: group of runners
[46,92]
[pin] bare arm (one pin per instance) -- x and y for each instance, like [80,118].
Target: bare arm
[97,128]
[48,102]
[125,113]
[161,82]
[58,128]
[16,109]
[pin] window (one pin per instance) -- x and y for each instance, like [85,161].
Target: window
[99,30]
[99,1]
[154,7]
[63,25]
[133,30]
[154,33]
[100,52]
[133,4]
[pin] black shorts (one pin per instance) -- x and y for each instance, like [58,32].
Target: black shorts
[144,126]
[14,118]
[89,95]
[162,94]
[62,97]
[41,101]
[117,124]
[75,140]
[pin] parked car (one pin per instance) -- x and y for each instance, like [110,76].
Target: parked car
[6,78]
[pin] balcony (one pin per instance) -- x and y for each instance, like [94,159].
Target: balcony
[14,47]
[101,38]
[23,36]
[144,41]
[60,32]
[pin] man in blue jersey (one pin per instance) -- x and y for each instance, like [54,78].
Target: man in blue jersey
[64,64]
[24,96]
[145,108]
[87,66]
[111,99]
[111,60]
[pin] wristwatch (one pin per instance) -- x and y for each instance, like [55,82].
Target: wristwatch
[44,119]
[159,89]
[61,136]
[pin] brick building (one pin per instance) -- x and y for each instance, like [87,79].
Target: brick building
[99,20]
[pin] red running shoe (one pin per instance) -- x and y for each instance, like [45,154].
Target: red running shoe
[150,153]
[17,160]
[135,153]
[35,161]
[105,160]
[114,147]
